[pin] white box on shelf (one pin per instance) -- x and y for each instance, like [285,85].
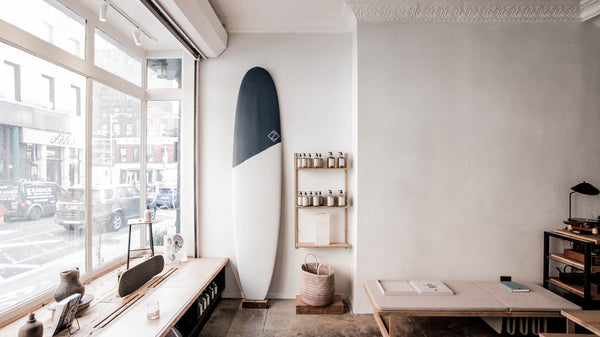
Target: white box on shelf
[322,237]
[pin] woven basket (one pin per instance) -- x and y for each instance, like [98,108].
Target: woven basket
[317,283]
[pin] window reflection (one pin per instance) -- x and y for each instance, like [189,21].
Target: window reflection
[163,163]
[117,121]
[42,155]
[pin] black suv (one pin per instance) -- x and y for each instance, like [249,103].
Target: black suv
[112,206]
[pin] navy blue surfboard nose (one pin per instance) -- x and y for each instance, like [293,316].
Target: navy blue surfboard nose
[257,125]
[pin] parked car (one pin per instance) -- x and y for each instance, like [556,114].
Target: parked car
[29,199]
[167,197]
[112,206]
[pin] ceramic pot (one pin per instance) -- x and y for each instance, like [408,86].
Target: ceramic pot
[32,328]
[69,285]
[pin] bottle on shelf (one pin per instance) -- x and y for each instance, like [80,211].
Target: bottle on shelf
[299,201]
[341,160]
[341,199]
[331,160]
[304,161]
[309,161]
[316,199]
[330,199]
[310,199]
[317,160]
[305,200]
[298,160]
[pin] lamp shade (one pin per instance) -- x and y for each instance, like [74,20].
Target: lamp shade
[585,188]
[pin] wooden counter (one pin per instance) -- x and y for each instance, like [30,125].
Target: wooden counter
[176,289]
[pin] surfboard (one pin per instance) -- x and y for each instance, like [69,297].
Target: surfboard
[256,180]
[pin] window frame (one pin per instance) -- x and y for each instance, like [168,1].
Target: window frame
[51,98]
[16,79]
[86,67]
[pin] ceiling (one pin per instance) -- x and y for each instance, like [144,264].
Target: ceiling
[337,16]
[295,16]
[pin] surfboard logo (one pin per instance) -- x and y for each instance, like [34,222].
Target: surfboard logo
[273,136]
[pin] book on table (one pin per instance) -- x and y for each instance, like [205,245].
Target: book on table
[426,288]
[514,287]
[435,288]
[394,287]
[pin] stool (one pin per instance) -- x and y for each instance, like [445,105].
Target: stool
[134,223]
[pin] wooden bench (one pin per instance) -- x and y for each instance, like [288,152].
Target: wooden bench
[177,288]
[470,299]
[589,319]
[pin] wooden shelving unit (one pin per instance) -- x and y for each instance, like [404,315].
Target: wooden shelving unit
[588,293]
[298,208]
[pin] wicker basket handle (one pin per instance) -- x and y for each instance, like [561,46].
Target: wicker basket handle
[313,255]
[328,268]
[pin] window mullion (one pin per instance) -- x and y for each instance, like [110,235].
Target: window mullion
[89,56]
[88,176]
[143,147]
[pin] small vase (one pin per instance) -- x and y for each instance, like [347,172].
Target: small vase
[69,285]
[32,328]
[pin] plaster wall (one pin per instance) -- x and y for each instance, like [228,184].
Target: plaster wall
[313,77]
[470,137]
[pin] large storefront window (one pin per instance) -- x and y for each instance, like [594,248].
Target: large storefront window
[163,164]
[49,20]
[115,172]
[42,151]
[114,57]
[164,73]
[79,157]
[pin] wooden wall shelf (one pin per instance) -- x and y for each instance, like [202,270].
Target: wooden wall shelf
[313,245]
[322,168]
[298,208]
[571,262]
[575,289]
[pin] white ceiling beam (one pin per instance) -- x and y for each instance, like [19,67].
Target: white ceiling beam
[199,21]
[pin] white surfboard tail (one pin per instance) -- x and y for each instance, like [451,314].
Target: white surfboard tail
[256,218]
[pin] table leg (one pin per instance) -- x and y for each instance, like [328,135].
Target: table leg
[570,326]
[381,325]
[392,325]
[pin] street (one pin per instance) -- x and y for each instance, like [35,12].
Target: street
[34,252]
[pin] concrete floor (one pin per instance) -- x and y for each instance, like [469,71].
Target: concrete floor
[280,320]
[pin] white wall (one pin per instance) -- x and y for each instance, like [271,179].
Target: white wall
[312,73]
[470,137]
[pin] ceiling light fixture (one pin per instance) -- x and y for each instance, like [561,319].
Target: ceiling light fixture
[136,37]
[102,12]
[138,29]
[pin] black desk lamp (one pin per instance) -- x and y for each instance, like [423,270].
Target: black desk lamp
[583,188]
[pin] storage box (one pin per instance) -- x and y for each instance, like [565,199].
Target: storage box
[323,230]
[571,254]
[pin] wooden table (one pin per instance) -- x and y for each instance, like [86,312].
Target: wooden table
[176,289]
[470,299]
[589,319]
